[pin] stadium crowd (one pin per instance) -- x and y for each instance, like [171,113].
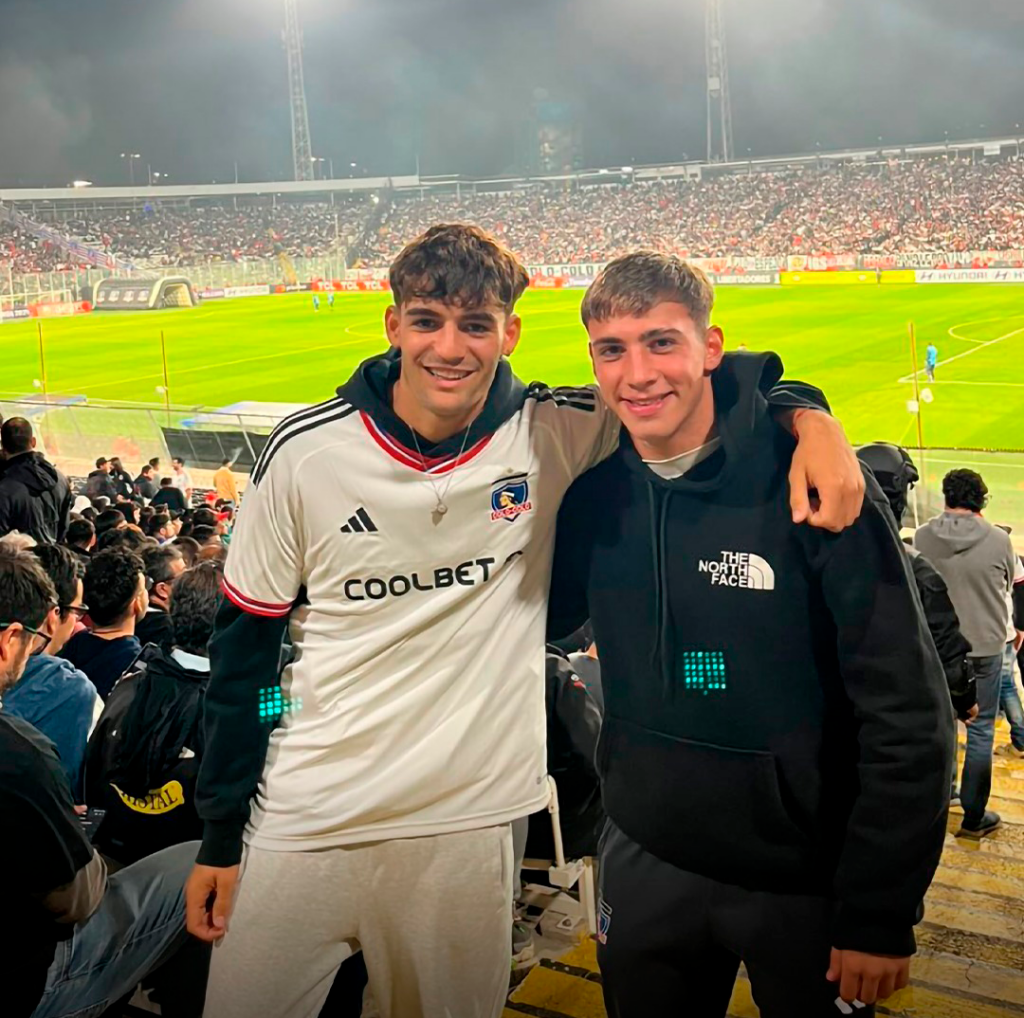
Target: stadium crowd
[930,205]
[164,235]
[911,206]
[109,589]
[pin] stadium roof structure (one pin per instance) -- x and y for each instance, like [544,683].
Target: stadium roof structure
[993,147]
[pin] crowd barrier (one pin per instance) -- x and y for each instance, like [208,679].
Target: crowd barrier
[74,434]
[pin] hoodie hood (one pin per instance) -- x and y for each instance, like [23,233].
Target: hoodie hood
[957,533]
[31,470]
[369,390]
[740,386]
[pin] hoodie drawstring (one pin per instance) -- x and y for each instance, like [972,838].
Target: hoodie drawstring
[662,648]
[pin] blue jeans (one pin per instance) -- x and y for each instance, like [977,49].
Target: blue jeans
[139,926]
[1009,700]
[976,781]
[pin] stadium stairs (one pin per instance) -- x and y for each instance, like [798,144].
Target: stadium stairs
[970,962]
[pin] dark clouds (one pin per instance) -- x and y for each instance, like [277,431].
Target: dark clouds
[195,85]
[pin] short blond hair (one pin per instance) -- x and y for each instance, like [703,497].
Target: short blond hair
[635,283]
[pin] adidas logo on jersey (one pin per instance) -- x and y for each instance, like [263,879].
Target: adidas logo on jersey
[360,523]
[739,569]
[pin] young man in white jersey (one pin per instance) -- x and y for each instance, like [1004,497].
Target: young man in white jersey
[403,533]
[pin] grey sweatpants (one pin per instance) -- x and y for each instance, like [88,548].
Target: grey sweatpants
[671,942]
[432,916]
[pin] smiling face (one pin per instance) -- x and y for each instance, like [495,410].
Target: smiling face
[455,289]
[654,371]
[450,355]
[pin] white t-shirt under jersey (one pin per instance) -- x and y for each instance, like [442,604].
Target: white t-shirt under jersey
[417,687]
[677,466]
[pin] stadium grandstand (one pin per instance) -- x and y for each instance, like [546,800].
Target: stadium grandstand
[423,689]
[893,204]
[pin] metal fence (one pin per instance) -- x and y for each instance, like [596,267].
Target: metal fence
[75,434]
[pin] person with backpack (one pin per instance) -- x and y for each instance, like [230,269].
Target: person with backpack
[144,756]
[896,475]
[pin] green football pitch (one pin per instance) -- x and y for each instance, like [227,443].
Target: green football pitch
[850,341]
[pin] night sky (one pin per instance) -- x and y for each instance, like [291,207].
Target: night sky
[195,85]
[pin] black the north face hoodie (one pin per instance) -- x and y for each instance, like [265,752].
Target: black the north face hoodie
[776,716]
[245,651]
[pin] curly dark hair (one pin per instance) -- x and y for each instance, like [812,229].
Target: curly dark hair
[965,489]
[111,583]
[459,265]
[195,598]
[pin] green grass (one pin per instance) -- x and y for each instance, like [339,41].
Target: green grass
[852,342]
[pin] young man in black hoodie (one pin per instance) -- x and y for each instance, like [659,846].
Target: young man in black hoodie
[35,497]
[369,530]
[777,733]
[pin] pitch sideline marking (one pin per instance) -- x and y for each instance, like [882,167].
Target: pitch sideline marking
[966,353]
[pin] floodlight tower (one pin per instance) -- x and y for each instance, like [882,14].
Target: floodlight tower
[302,147]
[719,106]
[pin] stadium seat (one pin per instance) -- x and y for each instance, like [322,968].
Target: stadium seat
[566,874]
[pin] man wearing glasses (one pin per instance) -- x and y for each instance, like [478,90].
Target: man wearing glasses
[56,963]
[53,695]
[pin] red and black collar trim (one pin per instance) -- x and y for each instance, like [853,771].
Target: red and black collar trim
[411,458]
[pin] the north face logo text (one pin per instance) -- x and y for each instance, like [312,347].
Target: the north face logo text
[739,569]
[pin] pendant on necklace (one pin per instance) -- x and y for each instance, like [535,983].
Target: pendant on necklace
[440,509]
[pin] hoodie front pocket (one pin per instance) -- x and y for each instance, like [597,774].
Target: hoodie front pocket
[711,809]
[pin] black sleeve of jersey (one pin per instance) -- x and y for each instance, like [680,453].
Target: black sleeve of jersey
[245,657]
[567,602]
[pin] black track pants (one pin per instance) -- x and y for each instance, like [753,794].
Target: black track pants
[671,942]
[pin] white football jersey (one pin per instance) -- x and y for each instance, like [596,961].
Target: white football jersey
[415,701]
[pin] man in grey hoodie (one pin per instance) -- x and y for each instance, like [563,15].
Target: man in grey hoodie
[977,561]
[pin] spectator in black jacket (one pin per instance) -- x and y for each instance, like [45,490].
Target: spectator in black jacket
[144,756]
[35,497]
[170,496]
[99,483]
[163,565]
[124,486]
[896,475]
[57,881]
[775,749]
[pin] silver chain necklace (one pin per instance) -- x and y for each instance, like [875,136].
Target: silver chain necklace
[440,509]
